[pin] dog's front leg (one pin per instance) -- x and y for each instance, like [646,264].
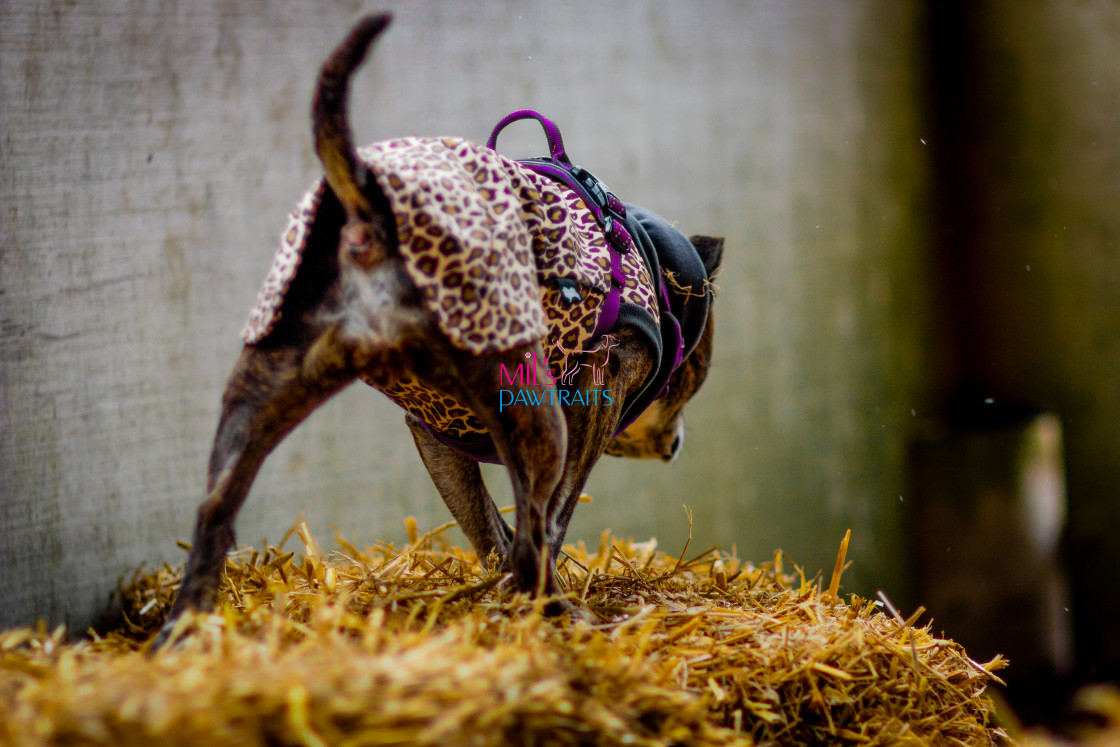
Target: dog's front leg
[459,482]
[591,427]
[531,441]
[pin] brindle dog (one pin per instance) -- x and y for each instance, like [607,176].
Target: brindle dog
[352,310]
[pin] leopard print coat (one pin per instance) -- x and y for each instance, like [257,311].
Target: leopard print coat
[489,244]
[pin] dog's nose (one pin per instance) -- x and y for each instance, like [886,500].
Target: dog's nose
[678,442]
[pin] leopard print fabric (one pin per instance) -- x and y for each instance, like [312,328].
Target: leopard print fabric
[266,312]
[484,240]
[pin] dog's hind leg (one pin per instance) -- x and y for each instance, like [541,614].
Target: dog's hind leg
[459,482]
[270,391]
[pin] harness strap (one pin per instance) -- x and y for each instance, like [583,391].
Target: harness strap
[612,217]
[608,314]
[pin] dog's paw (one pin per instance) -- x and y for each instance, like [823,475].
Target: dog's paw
[168,636]
[565,607]
[159,641]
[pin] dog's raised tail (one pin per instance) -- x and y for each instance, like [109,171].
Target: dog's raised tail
[347,176]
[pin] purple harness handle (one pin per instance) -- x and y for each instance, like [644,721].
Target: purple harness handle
[603,204]
[551,131]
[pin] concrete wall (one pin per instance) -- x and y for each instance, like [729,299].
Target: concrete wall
[152,148]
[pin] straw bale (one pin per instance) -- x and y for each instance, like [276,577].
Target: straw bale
[426,645]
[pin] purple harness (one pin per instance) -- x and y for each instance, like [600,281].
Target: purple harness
[611,215]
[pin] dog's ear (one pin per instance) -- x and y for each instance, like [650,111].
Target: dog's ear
[710,249]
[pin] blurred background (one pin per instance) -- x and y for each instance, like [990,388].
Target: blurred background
[916,323]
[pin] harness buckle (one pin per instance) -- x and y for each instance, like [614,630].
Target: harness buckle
[599,193]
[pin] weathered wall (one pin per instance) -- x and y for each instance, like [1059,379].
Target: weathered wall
[151,150]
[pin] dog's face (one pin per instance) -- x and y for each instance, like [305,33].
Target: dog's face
[658,433]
